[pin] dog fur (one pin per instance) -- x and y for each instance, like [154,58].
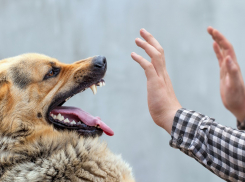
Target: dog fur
[31,148]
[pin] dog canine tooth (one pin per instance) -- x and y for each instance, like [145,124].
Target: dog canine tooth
[101,84]
[66,120]
[94,89]
[68,98]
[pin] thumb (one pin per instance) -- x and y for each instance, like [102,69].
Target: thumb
[231,67]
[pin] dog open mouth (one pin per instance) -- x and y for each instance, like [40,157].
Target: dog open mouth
[72,118]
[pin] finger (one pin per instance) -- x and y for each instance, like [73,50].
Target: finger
[224,44]
[216,46]
[210,31]
[146,65]
[155,55]
[159,64]
[151,40]
[218,52]
[221,40]
[149,49]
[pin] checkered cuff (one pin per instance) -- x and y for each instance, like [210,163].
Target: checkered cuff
[218,148]
[184,130]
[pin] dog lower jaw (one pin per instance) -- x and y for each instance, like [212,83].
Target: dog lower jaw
[81,129]
[75,118]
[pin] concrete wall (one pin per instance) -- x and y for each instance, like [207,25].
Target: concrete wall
[71,30]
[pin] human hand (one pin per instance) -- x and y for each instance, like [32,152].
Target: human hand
[162,101]
[232,88]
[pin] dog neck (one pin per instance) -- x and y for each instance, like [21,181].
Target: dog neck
[16,148]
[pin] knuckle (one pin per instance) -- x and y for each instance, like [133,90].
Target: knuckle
[158,55]
[149,66]
[234,69]
[229,44]
[161,50]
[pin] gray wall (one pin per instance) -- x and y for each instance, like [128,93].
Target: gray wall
[73,30]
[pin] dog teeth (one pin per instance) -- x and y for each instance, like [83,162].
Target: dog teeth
[60,117]
[102,83]
[94,89]
[97,126]
[66,120]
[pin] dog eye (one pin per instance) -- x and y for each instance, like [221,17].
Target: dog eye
[52,73]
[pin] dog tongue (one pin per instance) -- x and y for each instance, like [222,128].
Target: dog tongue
[84,117]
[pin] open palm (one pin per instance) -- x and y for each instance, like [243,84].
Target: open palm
[232,88]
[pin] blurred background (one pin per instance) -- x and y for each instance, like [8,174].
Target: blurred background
[77,29]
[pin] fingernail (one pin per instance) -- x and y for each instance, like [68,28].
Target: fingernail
[143,30]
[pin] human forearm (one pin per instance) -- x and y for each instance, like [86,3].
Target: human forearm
[219,148]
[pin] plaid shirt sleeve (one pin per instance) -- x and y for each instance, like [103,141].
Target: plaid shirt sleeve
[218,148]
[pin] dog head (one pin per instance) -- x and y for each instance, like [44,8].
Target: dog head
[34,87]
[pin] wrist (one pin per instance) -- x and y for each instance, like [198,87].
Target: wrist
[240,113]
[240,117]
[166,120]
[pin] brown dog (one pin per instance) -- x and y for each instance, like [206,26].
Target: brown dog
[41,140]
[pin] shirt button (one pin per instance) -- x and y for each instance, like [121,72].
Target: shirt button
[179,140]
[209,163]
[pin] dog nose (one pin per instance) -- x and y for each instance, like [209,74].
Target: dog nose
[99,62]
